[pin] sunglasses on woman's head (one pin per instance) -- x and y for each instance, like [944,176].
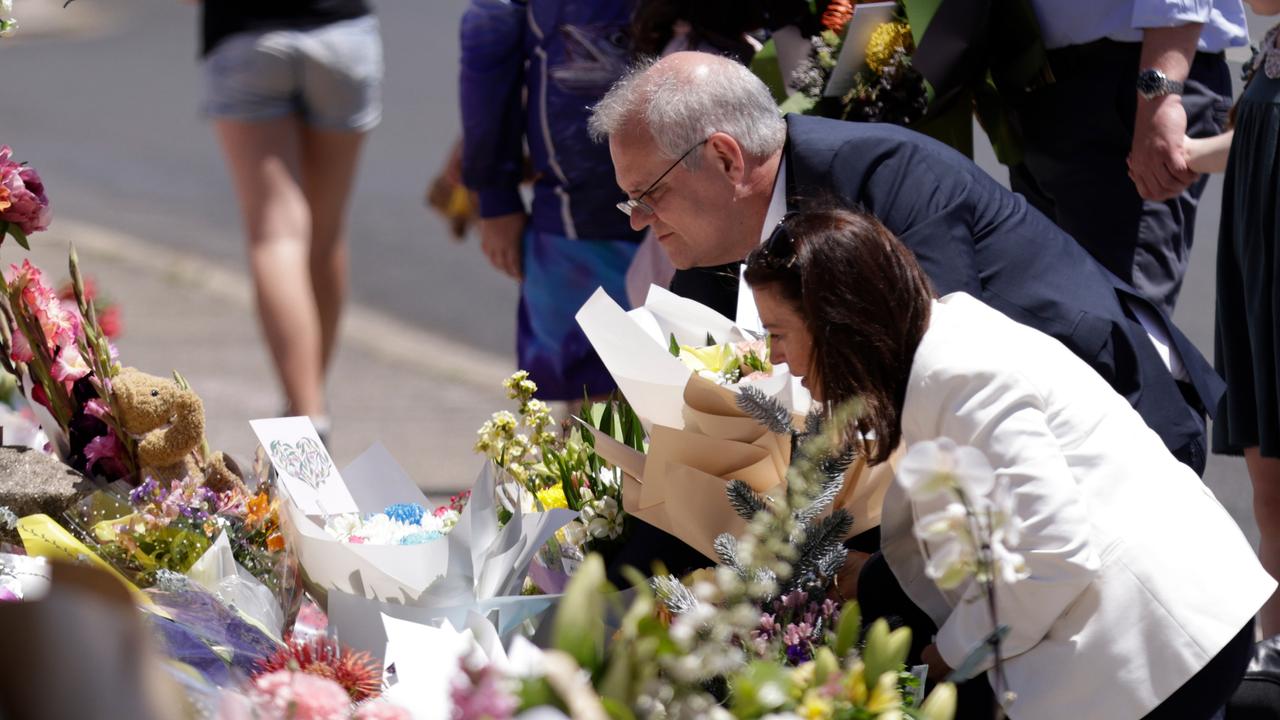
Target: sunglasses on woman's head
[780,248]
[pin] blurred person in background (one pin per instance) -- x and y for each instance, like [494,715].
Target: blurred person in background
[530,71]
[292,87]
[1104,155]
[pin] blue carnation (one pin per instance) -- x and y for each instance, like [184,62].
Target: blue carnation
[407,513]
[420,538]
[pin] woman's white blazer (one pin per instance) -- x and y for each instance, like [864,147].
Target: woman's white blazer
[1138,575]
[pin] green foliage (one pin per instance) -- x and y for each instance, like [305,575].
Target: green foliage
[885,650]
[849,631]
[577,628]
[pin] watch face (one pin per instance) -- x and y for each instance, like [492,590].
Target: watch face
[1151,82]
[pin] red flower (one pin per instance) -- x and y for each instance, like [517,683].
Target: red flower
[356,672]
[109,321]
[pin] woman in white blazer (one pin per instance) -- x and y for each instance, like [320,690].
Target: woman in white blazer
[1142,589]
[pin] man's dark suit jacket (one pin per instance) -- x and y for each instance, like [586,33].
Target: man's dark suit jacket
[971,234]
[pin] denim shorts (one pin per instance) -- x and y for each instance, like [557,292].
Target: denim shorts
[330,76]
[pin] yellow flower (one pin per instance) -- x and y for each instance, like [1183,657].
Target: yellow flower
[815,707]
[715,358]
[884,696]
[885,41]
[553,497]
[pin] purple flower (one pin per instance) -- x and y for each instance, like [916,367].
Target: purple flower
[798,654]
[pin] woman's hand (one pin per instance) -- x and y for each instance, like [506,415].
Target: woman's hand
[938,668]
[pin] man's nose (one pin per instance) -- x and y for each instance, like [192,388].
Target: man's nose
[640,219]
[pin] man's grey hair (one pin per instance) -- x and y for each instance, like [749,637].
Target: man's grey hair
[681,107]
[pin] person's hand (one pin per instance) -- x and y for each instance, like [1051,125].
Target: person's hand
[500,239]
[845,587]
[1157,159]
[938,668]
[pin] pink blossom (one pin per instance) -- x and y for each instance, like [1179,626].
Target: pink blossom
[95,408]
[379,710]
[25,204]
[103,447]
[21,349]
[61,327]
[299,696]
[70,365]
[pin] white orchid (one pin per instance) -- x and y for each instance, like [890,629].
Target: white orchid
[971,535]
[933,467]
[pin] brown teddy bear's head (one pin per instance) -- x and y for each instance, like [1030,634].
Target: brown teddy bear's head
[146,404]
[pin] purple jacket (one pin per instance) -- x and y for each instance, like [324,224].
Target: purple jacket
[531,70]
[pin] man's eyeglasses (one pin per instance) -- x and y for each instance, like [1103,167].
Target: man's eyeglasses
[630,205]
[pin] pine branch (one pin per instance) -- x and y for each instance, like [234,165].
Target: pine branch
[678,598]
[726,547]
[813,422]
[745,501]
[765,410]
[827,532]
[831,487]
[838,465]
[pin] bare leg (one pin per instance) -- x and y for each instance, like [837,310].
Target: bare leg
[263,158]
[329,161]
[1265,474]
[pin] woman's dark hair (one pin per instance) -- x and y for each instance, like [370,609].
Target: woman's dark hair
[864,299]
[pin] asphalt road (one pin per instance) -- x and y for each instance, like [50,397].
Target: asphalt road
[103,98]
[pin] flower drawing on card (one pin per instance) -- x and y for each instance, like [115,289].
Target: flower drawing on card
[304,460]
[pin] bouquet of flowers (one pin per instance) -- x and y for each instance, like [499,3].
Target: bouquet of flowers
[726,363]
[398,524]
[860,67]
[24,207]
[546,470]
[684,369]
[64,363]
[478,562]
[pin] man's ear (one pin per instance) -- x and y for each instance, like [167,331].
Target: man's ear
[727,155]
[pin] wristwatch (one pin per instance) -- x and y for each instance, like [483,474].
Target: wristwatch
[1153,84]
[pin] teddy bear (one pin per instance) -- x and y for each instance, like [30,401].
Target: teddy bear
[168,419]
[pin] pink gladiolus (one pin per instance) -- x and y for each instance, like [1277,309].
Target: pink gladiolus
[25,204]
[60,325]
[21,349]
[95,408]
[70,366]
[103,447]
